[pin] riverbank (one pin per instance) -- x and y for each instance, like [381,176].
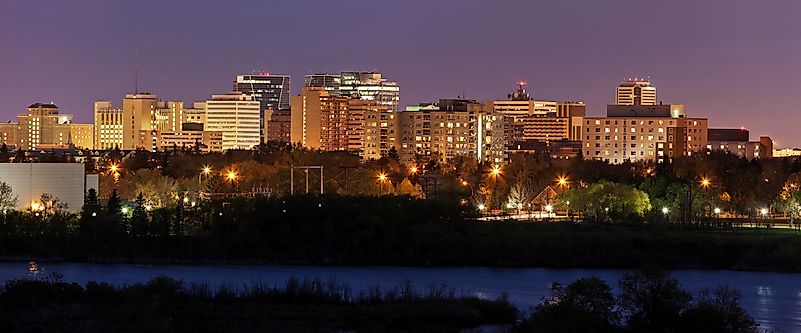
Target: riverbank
[497,244]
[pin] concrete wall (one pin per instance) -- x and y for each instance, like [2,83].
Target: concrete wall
[65,181]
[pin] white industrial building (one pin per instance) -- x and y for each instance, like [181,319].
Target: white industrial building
[67,182]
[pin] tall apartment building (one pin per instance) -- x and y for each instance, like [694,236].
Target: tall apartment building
[108,126]
[368,86]
[450,128]
[237,116]
[635,92]
[278,126]
[272,92]
[319,119]
[643,133]
[367,128]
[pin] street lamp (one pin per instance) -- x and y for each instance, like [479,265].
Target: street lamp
[665,210]
[763,211]
[717,211]
[562,181]
[413,170]
[382,177]
[124,210]
[496,170]
[705,182]
[231,175]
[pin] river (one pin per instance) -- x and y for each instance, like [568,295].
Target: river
[773,299]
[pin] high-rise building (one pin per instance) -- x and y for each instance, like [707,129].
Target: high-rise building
[635,92]
[319,119]
[448,129]
[82,135]
[138,114]
[271,90]
[277,126]
[575,113]
[651,133]
[330,82]
[368,86]
[237,116]
[108,126]
[43,125]
[367,125]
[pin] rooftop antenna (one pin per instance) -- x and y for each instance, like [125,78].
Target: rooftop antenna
[136,73]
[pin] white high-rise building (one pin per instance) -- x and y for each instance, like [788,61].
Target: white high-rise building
[635,92]
[237,116]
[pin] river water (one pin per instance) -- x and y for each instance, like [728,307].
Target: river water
[773,299]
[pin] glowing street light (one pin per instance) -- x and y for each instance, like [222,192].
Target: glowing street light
[496,170]
[705,182]
[481,207]
[206,170]
[231,175]
[124,210]
[114,168]
[464,183]
[562,181]
[548,208]
[665,210]
[717,211]
[413,170]
[382,177]
[763,211]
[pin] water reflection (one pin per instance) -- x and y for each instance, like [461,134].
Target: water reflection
[773,299]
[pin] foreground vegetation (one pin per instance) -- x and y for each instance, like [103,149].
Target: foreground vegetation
[647,301]
[168,305]
[389,230]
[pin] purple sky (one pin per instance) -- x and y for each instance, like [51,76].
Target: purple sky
[737,62]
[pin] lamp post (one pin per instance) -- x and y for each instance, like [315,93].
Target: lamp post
[382,177]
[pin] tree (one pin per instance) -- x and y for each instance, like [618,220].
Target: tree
[407,188]
[114,203]
[652,300]
[8,200]
[719,311]
[139,219]
[393,154]
[607,200]
[586,305]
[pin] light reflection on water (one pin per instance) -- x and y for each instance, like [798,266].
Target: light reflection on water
[773,299]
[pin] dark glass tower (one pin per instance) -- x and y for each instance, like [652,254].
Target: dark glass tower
[271,90]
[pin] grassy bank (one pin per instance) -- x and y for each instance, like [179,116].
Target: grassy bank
[443,244]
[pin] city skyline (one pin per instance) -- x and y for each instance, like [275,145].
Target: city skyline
[691,51]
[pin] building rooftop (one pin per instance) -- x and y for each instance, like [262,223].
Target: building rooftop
[43,105]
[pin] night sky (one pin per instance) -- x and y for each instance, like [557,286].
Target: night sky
[737,62]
